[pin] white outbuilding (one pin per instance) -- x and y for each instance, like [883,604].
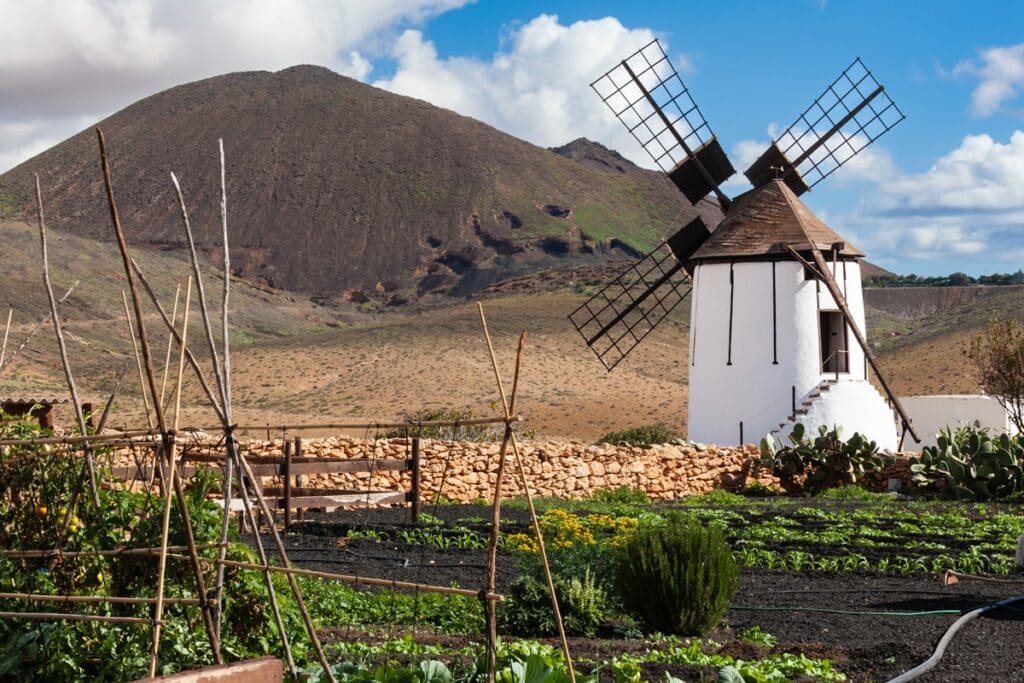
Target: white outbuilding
[769,345]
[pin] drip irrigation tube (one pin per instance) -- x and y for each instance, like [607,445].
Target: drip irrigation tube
[947,637]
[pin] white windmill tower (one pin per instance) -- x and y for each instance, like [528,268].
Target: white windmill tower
[777,313]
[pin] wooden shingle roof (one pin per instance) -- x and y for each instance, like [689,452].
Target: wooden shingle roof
[763,221]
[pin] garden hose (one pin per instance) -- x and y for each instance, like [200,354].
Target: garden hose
[861,613]
[947,637]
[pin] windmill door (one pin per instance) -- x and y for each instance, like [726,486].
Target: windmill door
[834,354]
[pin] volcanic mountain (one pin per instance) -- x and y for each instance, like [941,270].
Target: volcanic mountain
[335,186]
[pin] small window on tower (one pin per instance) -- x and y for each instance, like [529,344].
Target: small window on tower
[834,354]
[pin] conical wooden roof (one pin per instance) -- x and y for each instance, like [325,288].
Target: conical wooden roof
[763,221]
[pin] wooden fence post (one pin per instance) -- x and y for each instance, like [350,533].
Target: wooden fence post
[300,480]
[414,491]
[286,475]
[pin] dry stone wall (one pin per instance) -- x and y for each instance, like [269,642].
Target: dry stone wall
[465,471]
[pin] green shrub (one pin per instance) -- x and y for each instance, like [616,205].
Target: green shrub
[644,435]
[813,465]
[971,464]
[679,577]
[581,600]
[527,611]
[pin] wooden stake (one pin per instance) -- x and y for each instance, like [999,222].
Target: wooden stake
[268,579]
[7,330]
[113,552]
[84,473]
[51,616]
[200,290]
[65,362]
[171,472]
[529,499]
[492,548]
[170,345]
[365,580]
[245,471]
[91,599]
[151,381]
[138,359]
[225,339]
[174,332]
[39,326]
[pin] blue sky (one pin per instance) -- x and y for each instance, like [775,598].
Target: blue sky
[943,191]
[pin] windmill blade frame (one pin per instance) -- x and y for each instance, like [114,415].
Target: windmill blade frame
[622,313]
[851,113]
[645,92]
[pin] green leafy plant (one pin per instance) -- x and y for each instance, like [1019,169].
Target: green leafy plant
[972,464]
[644,435]
[679,577]
[813,465]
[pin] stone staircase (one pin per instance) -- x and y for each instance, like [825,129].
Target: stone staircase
[805,405]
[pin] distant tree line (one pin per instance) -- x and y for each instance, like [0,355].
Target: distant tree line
[952,280]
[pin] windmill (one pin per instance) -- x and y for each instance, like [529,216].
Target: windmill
[766,236]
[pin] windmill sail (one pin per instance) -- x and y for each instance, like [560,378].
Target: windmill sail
[646,94]
[852,112]
[618,317]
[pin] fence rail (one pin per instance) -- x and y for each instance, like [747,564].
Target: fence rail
[290,496]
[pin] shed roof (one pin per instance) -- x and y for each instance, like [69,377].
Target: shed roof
[763,221]
[32,400]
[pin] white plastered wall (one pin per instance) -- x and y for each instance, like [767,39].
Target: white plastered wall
[767,368]
[931,413]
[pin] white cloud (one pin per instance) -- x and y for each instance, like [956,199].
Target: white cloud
[966,210]
[83,59]
[1001,71]
[537,88]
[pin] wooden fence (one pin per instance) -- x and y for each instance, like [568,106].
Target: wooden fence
[292,468]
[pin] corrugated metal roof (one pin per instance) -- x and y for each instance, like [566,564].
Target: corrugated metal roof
[764,221]
[42,400]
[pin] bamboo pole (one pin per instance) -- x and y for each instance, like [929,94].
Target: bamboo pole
[151,381]
[138,359]
[200,290]
[349,578]
[245,471]
[91,599]
[529,500]
[65,362]
[371,426]
[224,375]
[73,440]
[225,338]
[113,552]
[170,346]
[165,527]
[268,579]
[492,548]
[57,616]
[174,332]
[83,473]
[7,330]
[39,325]
[221,385]
[110,400]
[142,433]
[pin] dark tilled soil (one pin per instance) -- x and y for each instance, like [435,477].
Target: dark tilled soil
[797,608]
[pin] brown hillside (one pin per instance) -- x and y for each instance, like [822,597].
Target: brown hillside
[334,185]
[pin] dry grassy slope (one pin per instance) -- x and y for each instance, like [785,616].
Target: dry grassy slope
[336,185]
[93,314]
[295,361]
[921,333]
